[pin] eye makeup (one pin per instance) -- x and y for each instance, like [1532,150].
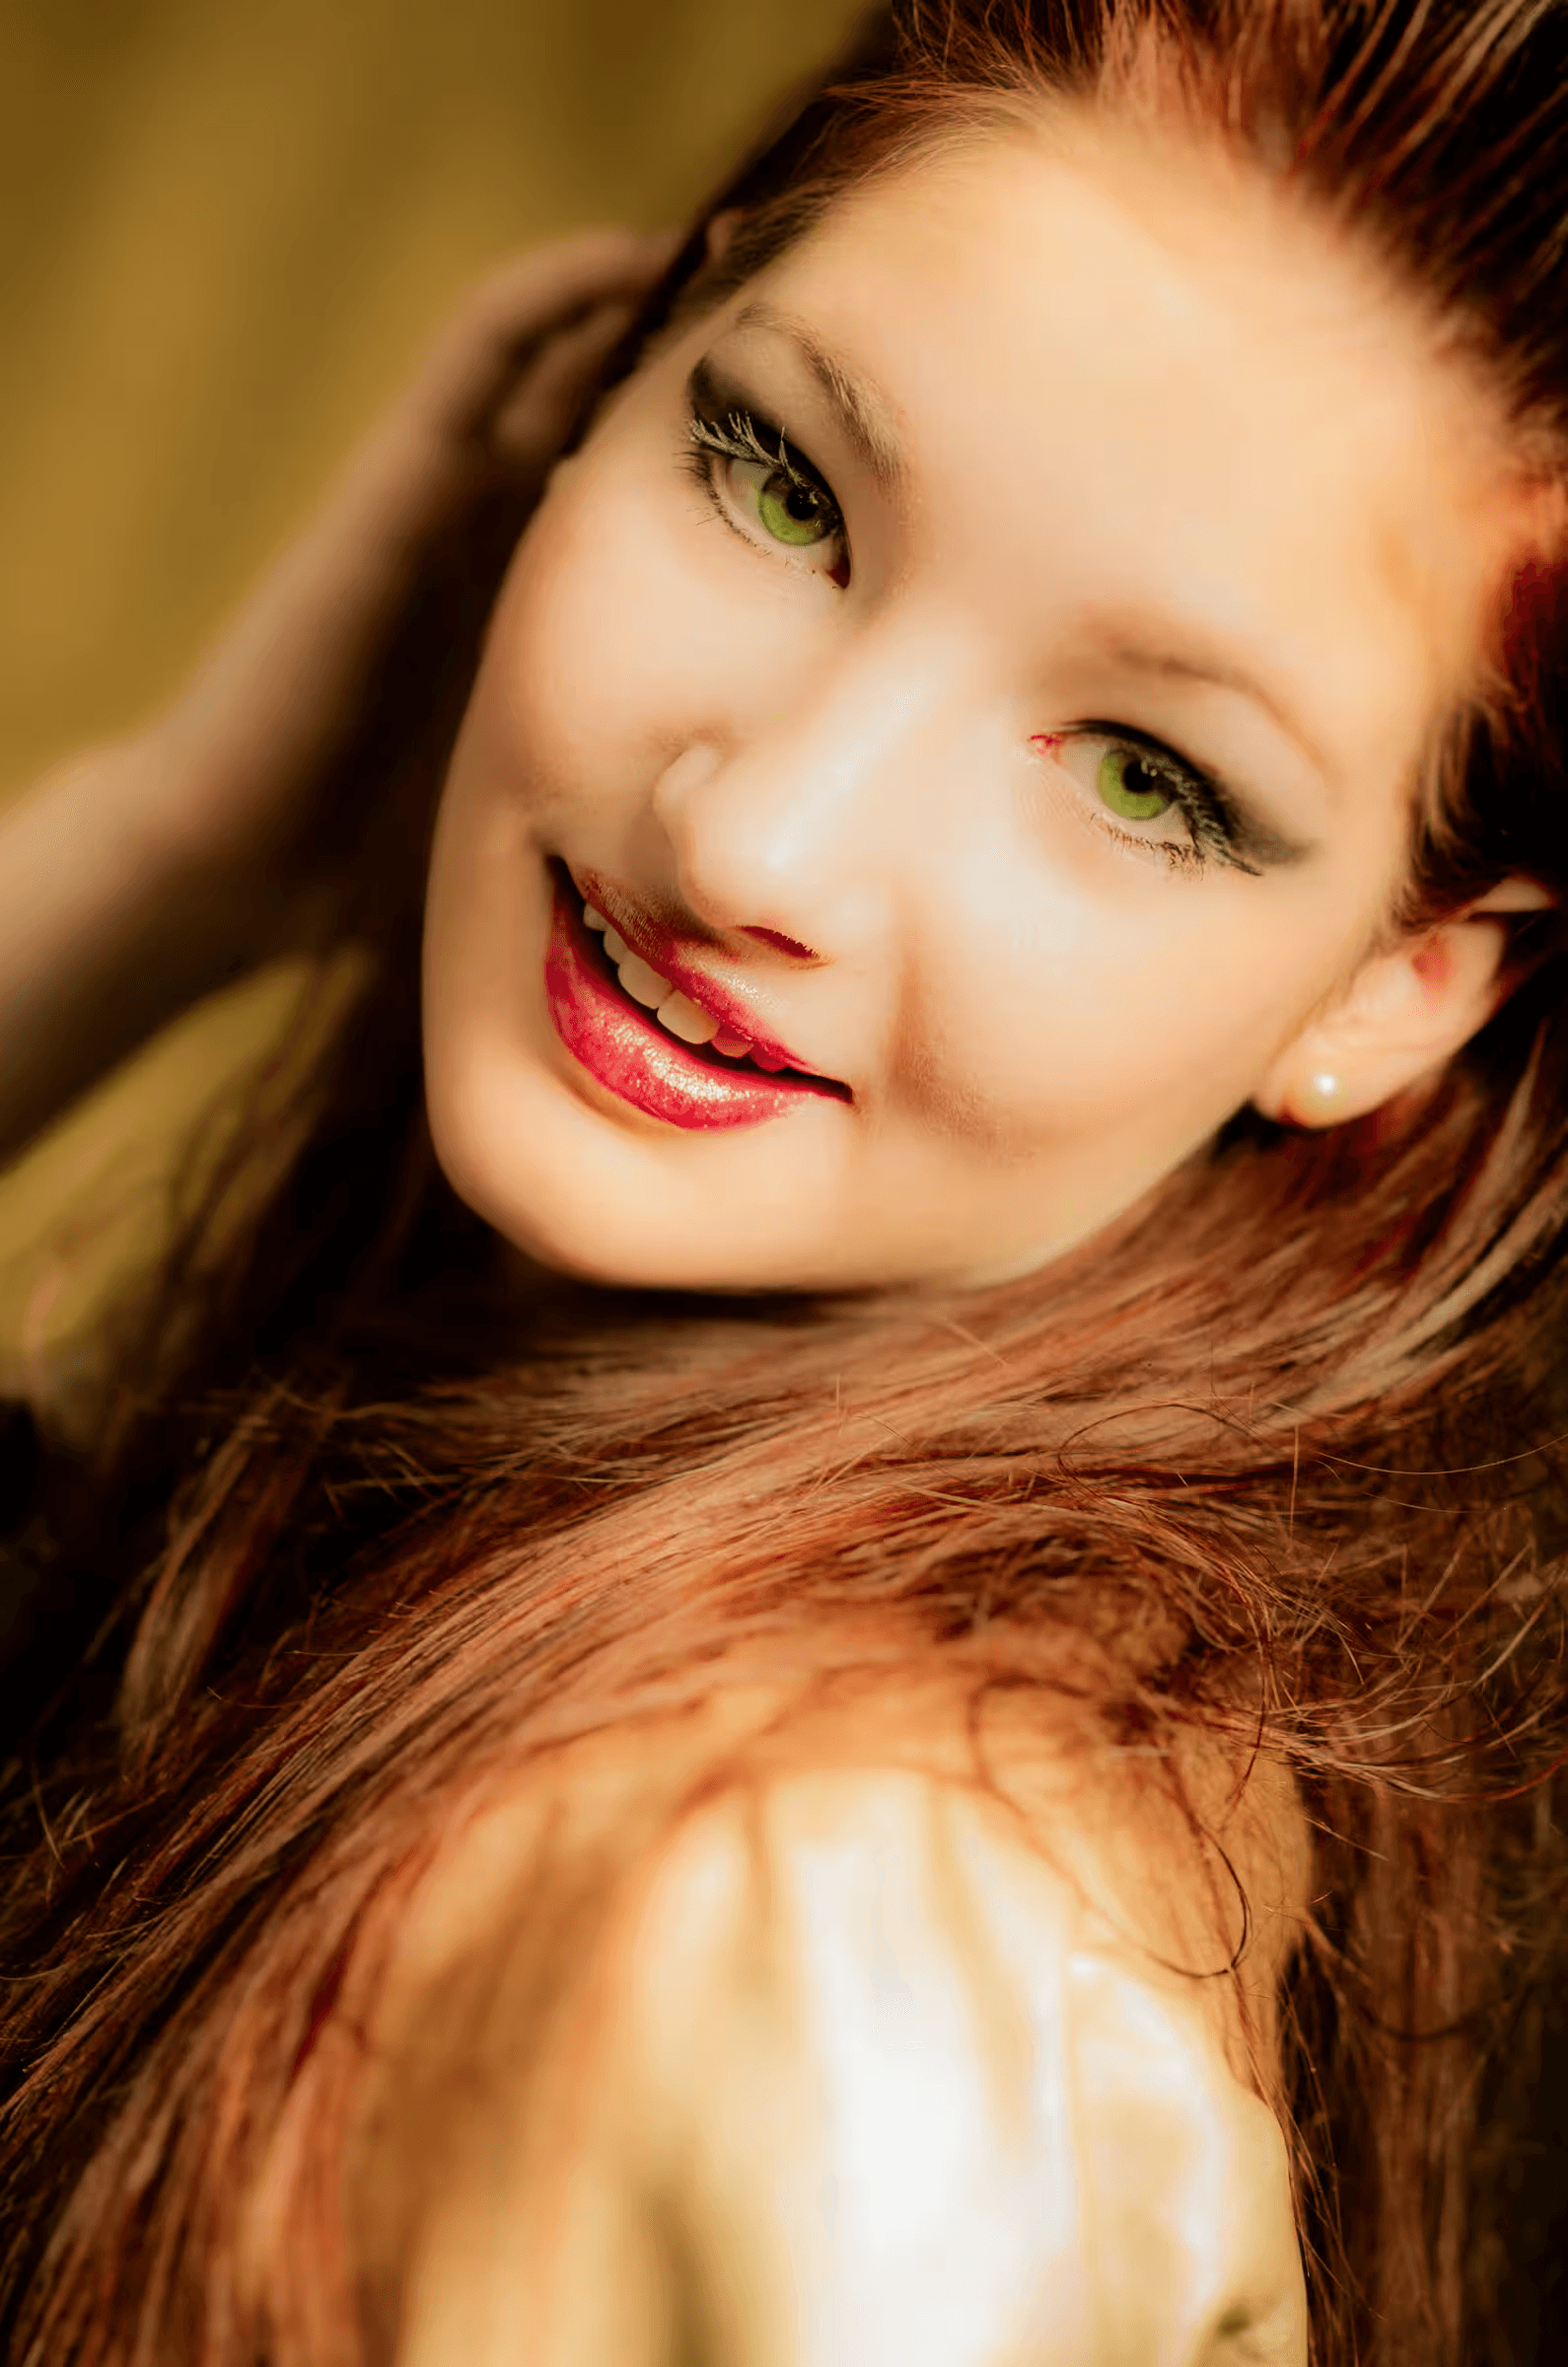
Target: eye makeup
[796,509]
[1220,827]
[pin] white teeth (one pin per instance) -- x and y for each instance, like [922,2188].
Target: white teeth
[673,1009]
[682,1018]
[643,984]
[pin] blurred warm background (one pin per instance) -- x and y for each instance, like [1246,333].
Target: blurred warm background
[227,227]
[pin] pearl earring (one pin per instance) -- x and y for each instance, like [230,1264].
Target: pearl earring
[1323,1090]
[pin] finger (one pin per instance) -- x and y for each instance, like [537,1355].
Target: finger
[531,423]
[522,304]
[433,448]
[533,289]
[307,628]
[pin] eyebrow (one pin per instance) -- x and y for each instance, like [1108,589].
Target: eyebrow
[1136,645]
[859,411]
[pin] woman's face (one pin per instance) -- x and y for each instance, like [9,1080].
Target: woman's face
[981,666]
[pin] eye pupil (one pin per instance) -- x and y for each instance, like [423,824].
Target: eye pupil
[792,511]
[1131,787]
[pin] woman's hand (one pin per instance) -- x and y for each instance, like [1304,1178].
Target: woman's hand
[140,876]
[242,752]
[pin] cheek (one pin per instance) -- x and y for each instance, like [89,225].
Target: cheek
[557,682]
[1154,1008]
[606,641]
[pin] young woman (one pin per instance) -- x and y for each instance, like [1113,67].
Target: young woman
[1000,822]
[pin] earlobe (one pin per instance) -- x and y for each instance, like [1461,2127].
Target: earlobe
[1403,1016]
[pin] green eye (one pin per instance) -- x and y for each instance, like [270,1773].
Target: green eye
[792,511]
[1130,786]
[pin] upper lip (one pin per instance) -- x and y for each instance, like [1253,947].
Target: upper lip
[662,953]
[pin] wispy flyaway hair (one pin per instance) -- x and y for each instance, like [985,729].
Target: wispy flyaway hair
[372,1525]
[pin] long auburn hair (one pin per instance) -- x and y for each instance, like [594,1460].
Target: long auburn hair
[370,1524]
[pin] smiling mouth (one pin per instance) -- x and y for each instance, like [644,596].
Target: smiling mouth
[650,1041]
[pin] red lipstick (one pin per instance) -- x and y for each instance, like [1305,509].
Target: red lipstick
[662,953]
[625,1048]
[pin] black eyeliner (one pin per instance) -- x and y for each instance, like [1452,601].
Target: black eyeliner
[1245,842]
[721,406]
[724,424]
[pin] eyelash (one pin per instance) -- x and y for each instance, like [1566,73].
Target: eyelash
[1217,830]
[742,435]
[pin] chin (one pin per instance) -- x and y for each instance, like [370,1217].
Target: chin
[608,1239]
[645,1208]
[627,1260]
[616,1247]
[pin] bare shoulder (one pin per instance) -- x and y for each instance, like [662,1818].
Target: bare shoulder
[779,2025]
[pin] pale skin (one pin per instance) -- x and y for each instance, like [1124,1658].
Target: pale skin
[853,781]
[860,775]
[864,2063]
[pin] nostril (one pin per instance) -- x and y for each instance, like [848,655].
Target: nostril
[785,945]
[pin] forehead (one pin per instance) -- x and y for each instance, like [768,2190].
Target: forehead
[1142,368]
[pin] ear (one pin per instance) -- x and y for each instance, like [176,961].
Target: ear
[1403,1015]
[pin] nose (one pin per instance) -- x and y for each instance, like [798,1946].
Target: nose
[793,826]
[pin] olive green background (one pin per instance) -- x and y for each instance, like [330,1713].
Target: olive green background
[226,229]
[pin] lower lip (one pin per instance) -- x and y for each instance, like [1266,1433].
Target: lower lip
[627,1050]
